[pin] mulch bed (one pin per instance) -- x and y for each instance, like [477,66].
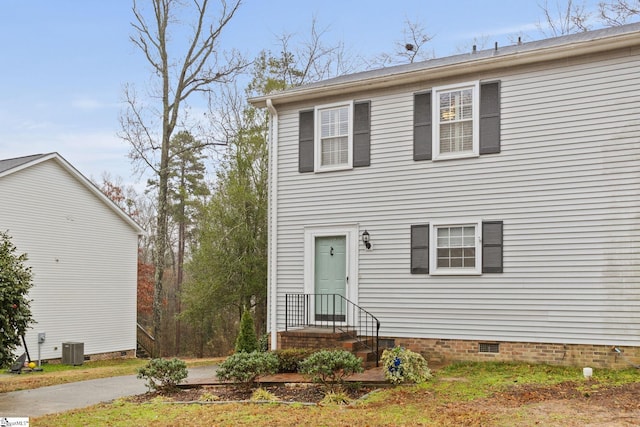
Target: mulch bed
[288,392]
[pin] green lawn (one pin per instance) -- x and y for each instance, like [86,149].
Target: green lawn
[461,394]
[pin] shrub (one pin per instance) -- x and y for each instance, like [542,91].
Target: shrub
[289,359]
[330,367]
[245,368]
[163,374]
[401,365]
[246,342]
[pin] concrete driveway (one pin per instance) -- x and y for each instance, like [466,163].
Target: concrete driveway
[64,397]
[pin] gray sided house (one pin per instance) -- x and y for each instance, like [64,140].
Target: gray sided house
[484,206]
[82,249]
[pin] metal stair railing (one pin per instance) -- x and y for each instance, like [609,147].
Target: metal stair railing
[333,311]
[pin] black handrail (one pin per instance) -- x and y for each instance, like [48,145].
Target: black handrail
[336,312]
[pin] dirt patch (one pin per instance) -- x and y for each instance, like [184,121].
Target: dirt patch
[564,404]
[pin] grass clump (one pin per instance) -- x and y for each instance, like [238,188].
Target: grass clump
[335,398]
[261,394]
[208,397]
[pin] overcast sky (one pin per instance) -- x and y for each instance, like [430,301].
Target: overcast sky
[63,63]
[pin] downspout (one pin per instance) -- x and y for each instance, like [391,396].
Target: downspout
[272,214]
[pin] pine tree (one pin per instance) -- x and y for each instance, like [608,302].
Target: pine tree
[247,341]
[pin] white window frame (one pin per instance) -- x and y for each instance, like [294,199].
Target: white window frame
[475,152]
[317,133]
[433,249]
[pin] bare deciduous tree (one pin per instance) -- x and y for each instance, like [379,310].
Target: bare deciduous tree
[567,18]
[619,12]
[312,59]
[181,68]
[408,50]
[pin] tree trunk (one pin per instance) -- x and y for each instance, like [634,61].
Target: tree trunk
[179,275]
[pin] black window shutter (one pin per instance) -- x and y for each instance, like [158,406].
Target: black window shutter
[361,134]
[422,134]
[490,117]
[305,142]
[492,247]
[420,249]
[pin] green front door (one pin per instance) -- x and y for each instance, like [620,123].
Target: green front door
[330,277]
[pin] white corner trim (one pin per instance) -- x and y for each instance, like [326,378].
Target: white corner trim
[272,215]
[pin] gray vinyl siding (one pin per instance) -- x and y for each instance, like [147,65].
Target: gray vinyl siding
[83,258]
[566,186]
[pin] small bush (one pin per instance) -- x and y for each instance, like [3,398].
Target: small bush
[245,368]
[246,342]
[401,365]
[163,374]
[289,359]
[330,367]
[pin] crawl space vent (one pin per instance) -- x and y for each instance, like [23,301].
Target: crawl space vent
[486,347]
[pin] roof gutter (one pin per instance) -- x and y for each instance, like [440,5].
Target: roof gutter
[472,63]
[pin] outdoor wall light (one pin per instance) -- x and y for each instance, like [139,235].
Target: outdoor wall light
[366,239]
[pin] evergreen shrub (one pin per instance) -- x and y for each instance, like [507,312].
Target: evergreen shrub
[162,374]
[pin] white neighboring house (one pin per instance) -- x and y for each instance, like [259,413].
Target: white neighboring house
[83,251]
[500,191]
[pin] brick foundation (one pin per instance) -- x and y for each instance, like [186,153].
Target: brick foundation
[597,356]
[438,351]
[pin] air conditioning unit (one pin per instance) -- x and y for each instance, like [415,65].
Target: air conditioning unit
[72,353]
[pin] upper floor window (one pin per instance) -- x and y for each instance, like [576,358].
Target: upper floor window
[334,137]
[456,121]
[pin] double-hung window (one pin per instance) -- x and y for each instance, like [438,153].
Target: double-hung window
[334,137]
[456,121]
[456,248]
